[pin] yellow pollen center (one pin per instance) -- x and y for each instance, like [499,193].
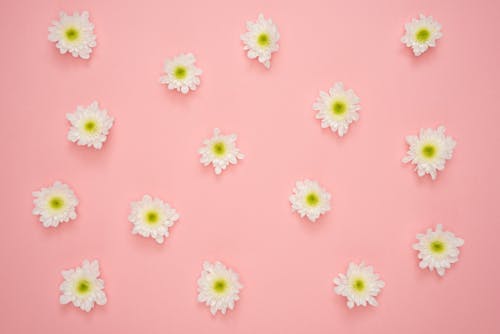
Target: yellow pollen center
[56,203]
[263,39]
[180,72]
[422,35]
[358,285]
[429,151]
[339,108]
[219,149]
[83,286]
[312,199]
[72,34]
[220,285]
[90,126]
[437,246]
[152,217]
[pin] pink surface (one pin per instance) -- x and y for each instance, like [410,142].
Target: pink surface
[243,218]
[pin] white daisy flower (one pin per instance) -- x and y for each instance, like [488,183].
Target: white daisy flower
[421,34]
[437,249]
[218,287]
[181,73]
[74,34]
[337,109]
[220,151]
[261,40]
[152,217]
[310,199]
[429,151]
[55,204]
[82,286]
[360,285]
[89,126]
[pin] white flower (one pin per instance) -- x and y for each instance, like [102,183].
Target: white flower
[55,204]
[421,34]
[89,126]
[261,40]
[152,217]
[220,151]
[429,151]
[181,73]
[73,33]
[218,287]
[437,249]
[360,285]
[82,286]
[309,199]
[337,109]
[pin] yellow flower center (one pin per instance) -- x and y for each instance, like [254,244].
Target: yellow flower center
[152,217]
[312,199]
[56,203]
[437,246]
[90,126]
[83,286]
[219,148]
[72,34]
[339,108]
[429,151]
[358,285]
[180,72]
[422,35]
[220,285]
[263,39]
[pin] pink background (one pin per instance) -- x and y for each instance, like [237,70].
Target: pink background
[243,218]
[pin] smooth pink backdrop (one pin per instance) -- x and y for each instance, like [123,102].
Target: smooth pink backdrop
[243,218]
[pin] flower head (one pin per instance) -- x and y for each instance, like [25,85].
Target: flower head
[73,33]
[218,287]
[360,285]
[82,286]
[152,217]
[310,199]
[429,151]
[220,151]
[421,34]
[437,249]
[55,204]
[337,109]
[181,73]
[261,40]
[89,126]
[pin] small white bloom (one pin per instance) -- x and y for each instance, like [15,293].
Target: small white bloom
[421,34]
[337,109]
[82,286]
[429,151]
[181,73]
[310,199]
[74,34]
[152,217]
[437,249]
[218,287]
[261,40]
[55,204]
[220,151]
[360,285]
[89,126]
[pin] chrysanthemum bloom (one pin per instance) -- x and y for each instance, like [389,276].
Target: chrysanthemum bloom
[421,34]
[360,285]
[73,34]
[152,217]
[89,126]
[55,204]
[337,109]
[429,151]
[261,40]
[437,249]
[218,287]
[220,151]
[310,199]
[181,73]
[82,286]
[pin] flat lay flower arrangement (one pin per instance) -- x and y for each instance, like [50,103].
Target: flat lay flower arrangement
[221,153]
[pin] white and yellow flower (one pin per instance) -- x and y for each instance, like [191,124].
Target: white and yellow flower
[181,73]
[55,204]
[82,286]
[220,151]
[152,217]
[73,34]
[218,287]
[421,34]
[360,285]
[337,109]
[261,40]
[429,151]
[89,126]
[438,249]
[310,199]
